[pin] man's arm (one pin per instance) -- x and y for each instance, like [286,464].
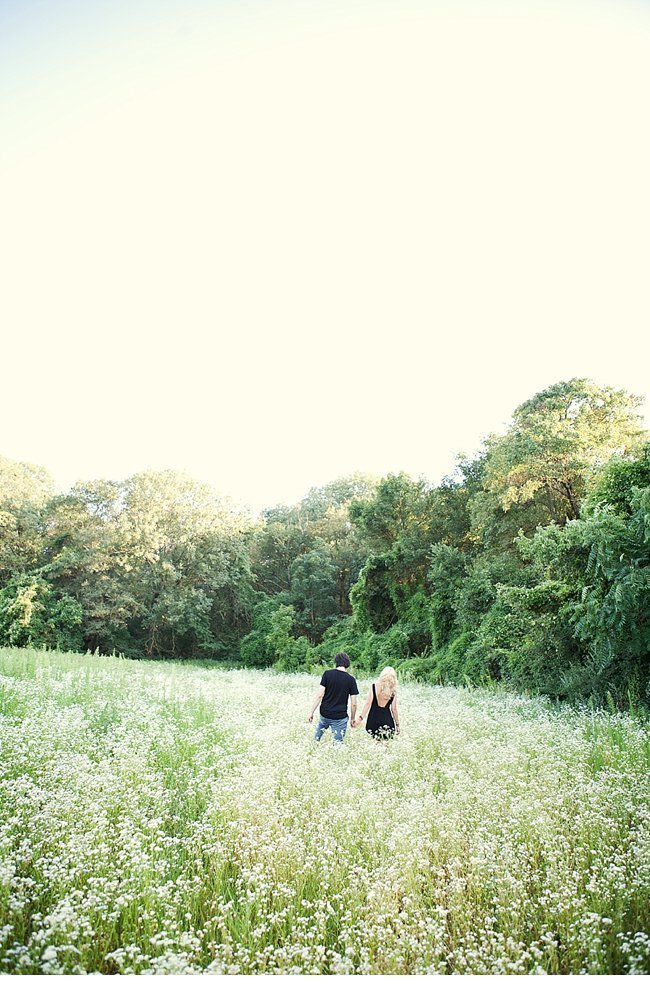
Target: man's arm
[353,708]
[317,699]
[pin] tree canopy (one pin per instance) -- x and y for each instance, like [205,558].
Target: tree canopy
[530,565]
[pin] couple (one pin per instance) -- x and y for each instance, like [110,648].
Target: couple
[337,685]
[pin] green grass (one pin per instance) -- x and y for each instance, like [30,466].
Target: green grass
[174,818]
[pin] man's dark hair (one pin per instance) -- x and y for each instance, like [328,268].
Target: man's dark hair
[342,659]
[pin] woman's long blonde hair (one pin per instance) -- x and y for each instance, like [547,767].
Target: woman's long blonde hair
[387,682]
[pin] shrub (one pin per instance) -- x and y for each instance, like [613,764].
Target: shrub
[32,614]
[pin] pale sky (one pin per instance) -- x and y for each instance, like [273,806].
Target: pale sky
[272,243]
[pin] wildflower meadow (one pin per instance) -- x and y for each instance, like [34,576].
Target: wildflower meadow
[160,817]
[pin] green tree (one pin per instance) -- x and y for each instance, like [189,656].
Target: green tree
[159,564]
[556,440]
[446,577]
[189,569]
[616,484]
[318,527]
[24,492]
[402,523]
[328,509]
[613,614]
[314,590]
[283,536]
[85,556]
[601,562]
[401,507]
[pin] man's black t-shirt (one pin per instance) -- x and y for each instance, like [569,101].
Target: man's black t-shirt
[339,686]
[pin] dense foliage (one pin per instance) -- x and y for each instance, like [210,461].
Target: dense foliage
[528,566]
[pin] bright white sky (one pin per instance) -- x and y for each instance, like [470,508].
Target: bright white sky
[271,243]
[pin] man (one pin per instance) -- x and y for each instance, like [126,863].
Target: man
[335,687]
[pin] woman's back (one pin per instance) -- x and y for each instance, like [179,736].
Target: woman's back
[380,722]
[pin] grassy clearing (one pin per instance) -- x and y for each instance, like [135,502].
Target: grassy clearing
[166,818]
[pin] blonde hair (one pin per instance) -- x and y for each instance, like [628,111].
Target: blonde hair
[387,681]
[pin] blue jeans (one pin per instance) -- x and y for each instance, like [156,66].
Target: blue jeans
[339,728]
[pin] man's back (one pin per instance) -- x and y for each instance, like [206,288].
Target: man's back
[339,686]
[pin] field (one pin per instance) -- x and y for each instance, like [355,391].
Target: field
[163,818]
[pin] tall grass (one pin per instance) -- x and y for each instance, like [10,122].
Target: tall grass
[167,818]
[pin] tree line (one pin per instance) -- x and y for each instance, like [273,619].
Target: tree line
[529,566]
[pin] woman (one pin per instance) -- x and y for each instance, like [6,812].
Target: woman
[381,706]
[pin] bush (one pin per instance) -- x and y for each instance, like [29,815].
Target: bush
[451,663]
[32,614]
[389,649]
[270,643]
[419,669]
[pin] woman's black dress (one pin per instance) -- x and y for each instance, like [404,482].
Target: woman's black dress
[380,721]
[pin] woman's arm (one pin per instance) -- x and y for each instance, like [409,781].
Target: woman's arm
[366,708]
[395,715]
